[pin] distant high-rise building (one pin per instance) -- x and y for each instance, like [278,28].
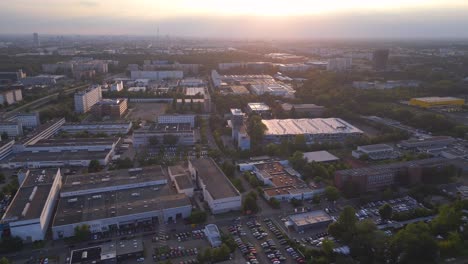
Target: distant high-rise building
[36,40]
[380,59]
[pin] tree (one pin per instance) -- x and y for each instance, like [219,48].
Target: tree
[256,129]
[332,193]
[448,219]
[274,203]
[385,211]
[82,232]
[197,217]
[297,160]
[170,139]
[153,141]
[11,244]
[327,247]
[296,202]
[94,166]
[4,136]
[2,177]
[249,205]
[344,227]
[300,142]
[4,260]
[368,245]
[228,168]
[414,244]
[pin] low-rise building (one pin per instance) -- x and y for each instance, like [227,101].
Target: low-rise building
[260,109]
[31,210]
[284,182]
[183,132]
[176,119]
[181,179]
[426,143]
[218,190]
[11,128]
[320,156]
[111,252]
[213,235]
[309,220]
[114,108]
[315,130]
[428,102]
[376,152]
[6,148]
[117,86]
[132,198]
[27,120]
[377,177]
[110,128]
[43,79]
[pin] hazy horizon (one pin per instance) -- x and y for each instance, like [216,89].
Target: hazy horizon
[240,19]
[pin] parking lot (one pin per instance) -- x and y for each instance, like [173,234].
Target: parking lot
[399,205]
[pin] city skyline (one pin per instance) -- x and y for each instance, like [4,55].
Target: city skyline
[263,19]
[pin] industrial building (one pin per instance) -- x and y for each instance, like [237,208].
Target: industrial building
[183,131]
[377,177]
[437,142]
[181,179]
[113,108]
[156,75]
[309,220]
[84,100]
[315,130]
[339,64]
[31,210]
[108,253]
[109,128]
[43,79]
[376,152]
[118,200]
[218,190]
[428,102]
[43,131]
[11,77]
[47,159]
[117,86]
[320,156]
[284,182]
[6,148]
[11,128]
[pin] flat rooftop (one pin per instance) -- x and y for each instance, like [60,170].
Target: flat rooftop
[310,218]
[258,107]
[89,207]
[191,91]
[31,197]
[288,107]
[76,141]
[320,156]
[113,178]
[308,126]
[436,99]
[376,147]
[59,156]
[217,184]
[106,251]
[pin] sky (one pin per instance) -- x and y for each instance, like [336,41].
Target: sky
[239,18]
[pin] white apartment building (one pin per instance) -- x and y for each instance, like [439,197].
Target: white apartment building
[11,96]
[84,100]
[339,64]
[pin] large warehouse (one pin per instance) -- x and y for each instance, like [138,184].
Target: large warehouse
[31,210]
[427,102]
[315,130]
[218,190]
[118,200]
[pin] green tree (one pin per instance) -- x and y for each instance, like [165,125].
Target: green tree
[448,219]
[256,130]
[11,244]
[170,139]
[274,203]
[344,227]
[4,260]
[414,244]
[385,211]
[153,141]
[300,142]
[94,166]
[327,247]
[332,193]
[197,217]
[82,232]
[249,204]
[2,177]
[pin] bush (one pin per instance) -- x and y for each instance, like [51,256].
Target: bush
[197,217]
